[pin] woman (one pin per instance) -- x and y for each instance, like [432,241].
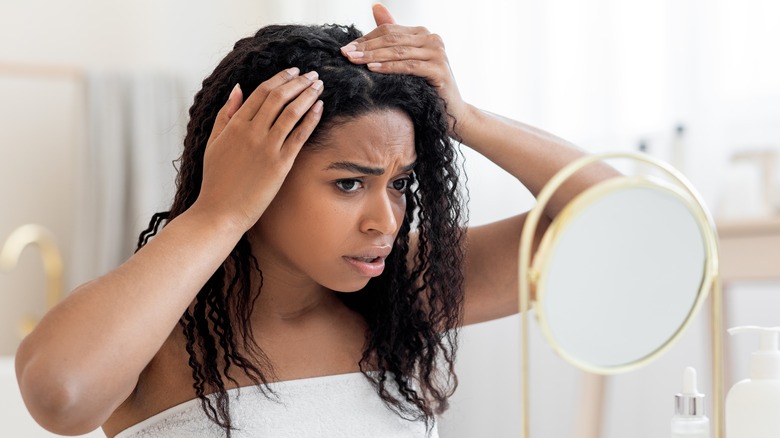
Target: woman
[315,251]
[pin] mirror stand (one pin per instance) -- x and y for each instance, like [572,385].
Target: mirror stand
[533,273]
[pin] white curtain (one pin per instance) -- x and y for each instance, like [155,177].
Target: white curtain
[135,124]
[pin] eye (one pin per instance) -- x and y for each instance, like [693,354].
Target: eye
[402,184]
[348,185]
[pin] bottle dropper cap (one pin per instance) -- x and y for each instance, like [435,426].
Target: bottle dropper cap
[765,362]
[689,402]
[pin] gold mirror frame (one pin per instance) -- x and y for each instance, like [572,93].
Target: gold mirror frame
[530,272]
[541,267]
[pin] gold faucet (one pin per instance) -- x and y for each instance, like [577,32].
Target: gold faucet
[43,238]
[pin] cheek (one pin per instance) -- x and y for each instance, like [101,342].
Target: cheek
[290,217]
[400,211]
[326,220]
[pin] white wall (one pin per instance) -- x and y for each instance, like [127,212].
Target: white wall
[602,74]
[42,114]
[39,130]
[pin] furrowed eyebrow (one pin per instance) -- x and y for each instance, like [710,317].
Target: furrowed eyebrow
[356,168]
[359,168]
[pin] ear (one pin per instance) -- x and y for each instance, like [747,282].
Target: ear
[381,14]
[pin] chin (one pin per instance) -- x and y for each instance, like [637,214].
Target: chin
[345,287]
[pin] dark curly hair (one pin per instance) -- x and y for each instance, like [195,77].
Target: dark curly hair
[412,312]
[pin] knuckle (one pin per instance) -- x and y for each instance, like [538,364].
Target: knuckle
[436,40]
[411,65]
[393,37]
[276,95]
[286,75]
[292,114]
[315,91]
[299,136]
[296,112]
[422,29]
[265,88]
[400,50]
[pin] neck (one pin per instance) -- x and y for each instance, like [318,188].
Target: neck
[281,300]
[290,297]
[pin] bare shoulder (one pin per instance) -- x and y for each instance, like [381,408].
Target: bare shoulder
[164,383]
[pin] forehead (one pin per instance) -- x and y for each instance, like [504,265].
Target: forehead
[378,137]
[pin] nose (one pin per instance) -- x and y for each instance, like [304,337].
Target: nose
[382,214]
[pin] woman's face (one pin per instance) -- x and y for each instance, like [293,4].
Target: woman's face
[339,210]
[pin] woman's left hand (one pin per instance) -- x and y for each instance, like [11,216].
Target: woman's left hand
[392,48]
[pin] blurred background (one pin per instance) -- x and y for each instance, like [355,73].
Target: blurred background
[93,102]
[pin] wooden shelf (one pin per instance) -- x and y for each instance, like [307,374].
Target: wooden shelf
[749,249]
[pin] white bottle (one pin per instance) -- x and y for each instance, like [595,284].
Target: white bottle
[753,405]
[689,420]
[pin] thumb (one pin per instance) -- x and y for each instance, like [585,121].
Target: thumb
[226,113]
[381,14]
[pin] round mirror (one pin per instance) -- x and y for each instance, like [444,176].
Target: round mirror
[619,274]
[621,270]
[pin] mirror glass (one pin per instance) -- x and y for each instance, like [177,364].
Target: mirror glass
[621,270]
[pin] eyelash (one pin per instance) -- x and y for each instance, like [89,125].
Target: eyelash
[340,184]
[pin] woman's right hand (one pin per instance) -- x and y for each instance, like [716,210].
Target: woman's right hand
[85,358]
[253,145]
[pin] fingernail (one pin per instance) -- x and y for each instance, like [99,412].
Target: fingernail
[317,85]
[317,106]
[349,48]
[234,92]
[374,65]
[312,75]
[355,54]
[293,71]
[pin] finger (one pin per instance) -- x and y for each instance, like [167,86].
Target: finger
[392,28]
[259,95]
[386,36]
[393,47]
[381,14]
[226,112]
[300,135]
[294,112]
[235,100]
[282,97]
[407,67]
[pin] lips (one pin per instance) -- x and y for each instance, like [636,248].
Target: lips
[371,268]
[369,262]
[366,259]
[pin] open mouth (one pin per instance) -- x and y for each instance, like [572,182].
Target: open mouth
[366,259]
[367,266]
